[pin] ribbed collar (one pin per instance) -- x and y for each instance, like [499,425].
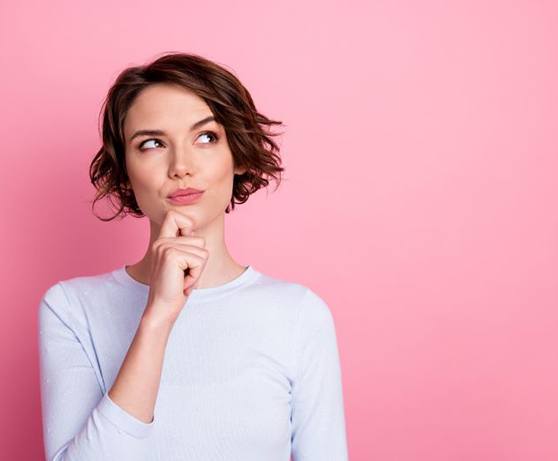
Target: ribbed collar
[249,275]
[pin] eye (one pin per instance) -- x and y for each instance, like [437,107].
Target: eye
[211,134]
[149,140]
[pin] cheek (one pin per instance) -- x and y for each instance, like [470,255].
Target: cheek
[145,179]
[221,172]
[142,176]
[220,180]
[144,183]
[141,186]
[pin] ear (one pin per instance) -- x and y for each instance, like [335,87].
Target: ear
[240,170]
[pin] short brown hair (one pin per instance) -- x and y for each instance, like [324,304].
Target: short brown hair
[251,146]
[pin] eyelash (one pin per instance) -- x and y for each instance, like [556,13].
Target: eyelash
[212,133]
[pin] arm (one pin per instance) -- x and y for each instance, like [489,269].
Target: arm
[80,421]
[318,420]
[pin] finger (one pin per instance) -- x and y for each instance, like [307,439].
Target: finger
[175,224]
[194,249]
[171,241]
[189,240]
[194,264]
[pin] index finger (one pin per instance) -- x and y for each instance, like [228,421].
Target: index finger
[176,224]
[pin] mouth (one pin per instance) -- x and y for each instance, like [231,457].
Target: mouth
[185,199]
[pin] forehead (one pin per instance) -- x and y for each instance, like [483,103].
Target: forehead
[161,106]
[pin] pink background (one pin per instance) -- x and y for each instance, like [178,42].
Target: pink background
[419,200]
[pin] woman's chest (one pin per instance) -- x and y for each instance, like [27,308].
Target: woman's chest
[225,402]
[225,391]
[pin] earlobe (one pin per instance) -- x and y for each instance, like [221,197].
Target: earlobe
[240,170]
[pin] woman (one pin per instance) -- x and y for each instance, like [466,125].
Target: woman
[187,354]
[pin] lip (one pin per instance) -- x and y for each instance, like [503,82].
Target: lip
[187,191]
[185,199]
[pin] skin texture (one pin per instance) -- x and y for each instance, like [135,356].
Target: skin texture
[181,158]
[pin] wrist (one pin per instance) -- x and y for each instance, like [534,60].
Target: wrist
[156,323]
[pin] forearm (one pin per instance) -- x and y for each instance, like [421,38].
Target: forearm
[136,386]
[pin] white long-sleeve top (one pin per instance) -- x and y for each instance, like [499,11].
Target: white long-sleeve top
[251,373]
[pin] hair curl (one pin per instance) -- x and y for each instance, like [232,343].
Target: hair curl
[231,104]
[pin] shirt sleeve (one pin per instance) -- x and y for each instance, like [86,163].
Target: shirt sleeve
[317,413]
[80,421]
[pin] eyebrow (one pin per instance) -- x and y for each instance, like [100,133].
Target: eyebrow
[199,123]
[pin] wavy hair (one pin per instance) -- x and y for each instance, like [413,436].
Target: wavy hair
[249,138]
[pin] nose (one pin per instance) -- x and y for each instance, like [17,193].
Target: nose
[181,162]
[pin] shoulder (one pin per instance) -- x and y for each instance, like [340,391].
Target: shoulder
[276,287]
[66,289]
[307,305]
[314,313]
[65,297]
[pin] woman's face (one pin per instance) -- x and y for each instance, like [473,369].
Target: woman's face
[179,156]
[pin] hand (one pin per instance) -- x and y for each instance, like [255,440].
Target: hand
[178,259]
